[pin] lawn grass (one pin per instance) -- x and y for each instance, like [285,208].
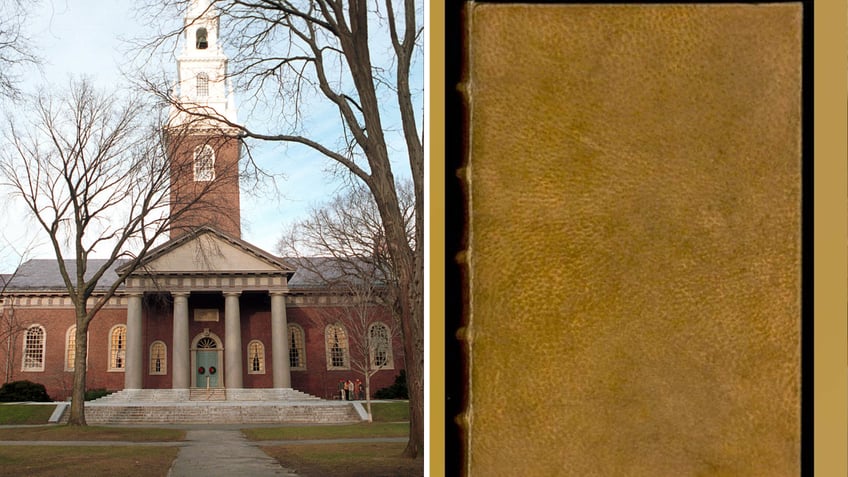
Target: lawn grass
[395,411]
[49,461]
[25,413]
[91,433]
[348,460]
[377,429]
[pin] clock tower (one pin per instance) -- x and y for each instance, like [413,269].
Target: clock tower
[204,152]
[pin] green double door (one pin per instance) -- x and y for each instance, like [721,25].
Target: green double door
[207,369]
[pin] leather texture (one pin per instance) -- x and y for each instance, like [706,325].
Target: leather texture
[634,181]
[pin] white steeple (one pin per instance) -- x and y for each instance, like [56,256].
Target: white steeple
[202,66]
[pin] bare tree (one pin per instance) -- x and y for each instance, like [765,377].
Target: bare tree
[348,228]
[370,336]
[350,257]
[15,51]
[10,326]
[94,172]
[370,325]
[302,55]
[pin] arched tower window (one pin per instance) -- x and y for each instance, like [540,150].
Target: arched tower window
[201,39]
[338,356]
[204,163]
[202,84]
[380,346]
[118,348]
[297,354]
[255,357]
[34,339]
[158,358]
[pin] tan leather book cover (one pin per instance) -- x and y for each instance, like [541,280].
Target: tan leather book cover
[634,240]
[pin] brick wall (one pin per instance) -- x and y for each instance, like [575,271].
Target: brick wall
[219,206]
[56,322]
[157,325]
[317,379]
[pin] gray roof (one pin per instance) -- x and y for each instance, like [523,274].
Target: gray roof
[43,274]
[313,272]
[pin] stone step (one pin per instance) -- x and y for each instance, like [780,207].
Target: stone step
[221,413]
[214,394]
[211,394]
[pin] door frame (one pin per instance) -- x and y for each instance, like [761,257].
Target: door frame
[218,347]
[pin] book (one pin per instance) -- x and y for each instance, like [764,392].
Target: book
[633,178]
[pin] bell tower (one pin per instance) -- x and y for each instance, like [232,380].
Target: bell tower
[204,152]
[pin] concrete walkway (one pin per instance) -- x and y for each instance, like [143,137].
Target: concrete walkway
[213,453]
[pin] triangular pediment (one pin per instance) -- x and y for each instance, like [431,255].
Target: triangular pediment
[210,252]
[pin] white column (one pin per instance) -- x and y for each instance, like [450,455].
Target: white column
[232,341]
[279,344]
[180,345]
[135,356]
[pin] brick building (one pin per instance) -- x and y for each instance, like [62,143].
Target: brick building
[206,309]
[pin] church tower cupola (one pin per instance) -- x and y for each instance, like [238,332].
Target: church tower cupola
[204,152]
[202,66]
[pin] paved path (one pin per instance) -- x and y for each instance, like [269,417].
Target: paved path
[213,453]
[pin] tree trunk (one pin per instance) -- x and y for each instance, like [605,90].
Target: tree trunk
[414,352]
[368,396]
[78,394]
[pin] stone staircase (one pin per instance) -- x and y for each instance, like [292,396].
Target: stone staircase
[211,394]
[216,406]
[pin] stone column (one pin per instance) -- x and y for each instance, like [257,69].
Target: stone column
[232,341]
[181,360]
[135,356]
[279,344]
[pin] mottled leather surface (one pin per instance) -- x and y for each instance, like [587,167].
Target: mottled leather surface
[634,240]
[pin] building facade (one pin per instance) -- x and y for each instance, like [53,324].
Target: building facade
[205,309]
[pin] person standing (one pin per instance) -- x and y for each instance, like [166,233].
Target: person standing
[342,389]
[357,389]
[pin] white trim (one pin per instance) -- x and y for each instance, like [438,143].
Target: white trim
[262,366]
[122,351]
[34,369]
[302,356]
[219,347]
[72,330]
[164,366]
[390,361]
[67,336]
[345,349]
[206,172]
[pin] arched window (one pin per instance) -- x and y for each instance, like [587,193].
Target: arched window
[70,348]
[380,346]
[297,354]
[337,351]
[204,163]
[202,84]
[34,340]
[201,39]
[255,357]
[117,348]
[206,343]
[158,358]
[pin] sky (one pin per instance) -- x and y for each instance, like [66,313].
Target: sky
[87,37]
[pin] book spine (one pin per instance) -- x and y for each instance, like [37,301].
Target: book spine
[464,258]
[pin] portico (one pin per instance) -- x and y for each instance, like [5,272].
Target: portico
[208,264]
